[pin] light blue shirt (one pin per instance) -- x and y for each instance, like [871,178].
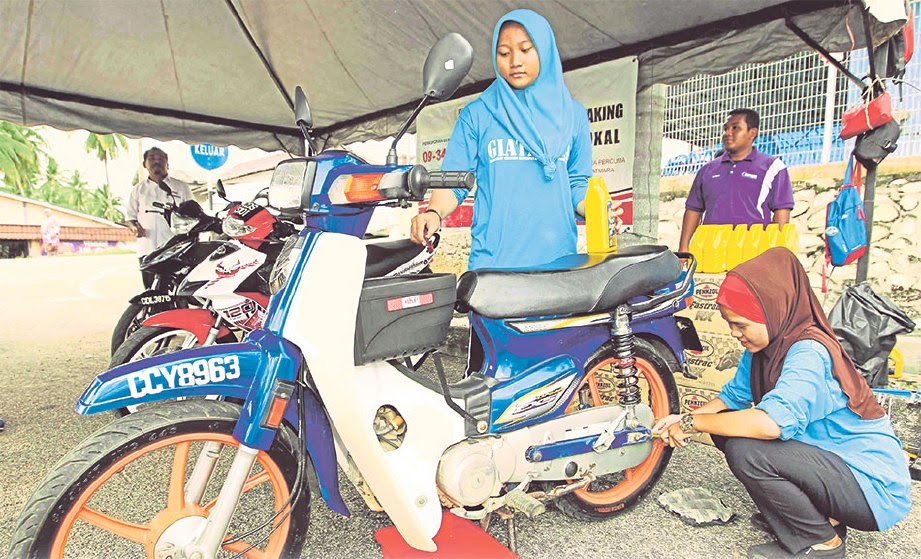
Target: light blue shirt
[520,218]
[808,405]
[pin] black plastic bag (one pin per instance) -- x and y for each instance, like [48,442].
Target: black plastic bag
[867,324]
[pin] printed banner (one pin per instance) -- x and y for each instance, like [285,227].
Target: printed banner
[608,92]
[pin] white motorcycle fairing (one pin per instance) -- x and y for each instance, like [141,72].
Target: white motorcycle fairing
[223,274]
[403,480]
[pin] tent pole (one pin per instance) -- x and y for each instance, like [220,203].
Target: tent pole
[869,193]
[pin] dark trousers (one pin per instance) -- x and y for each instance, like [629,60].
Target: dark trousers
[797,487]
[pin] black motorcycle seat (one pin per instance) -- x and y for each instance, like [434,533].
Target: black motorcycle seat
[574,284]
[387,256]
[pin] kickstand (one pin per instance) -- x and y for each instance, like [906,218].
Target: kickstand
[511,534]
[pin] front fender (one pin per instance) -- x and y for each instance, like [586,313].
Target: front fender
[197,372]
[221,370]
[196,321]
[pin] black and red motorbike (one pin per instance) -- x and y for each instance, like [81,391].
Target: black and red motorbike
[228,291]
[168,264]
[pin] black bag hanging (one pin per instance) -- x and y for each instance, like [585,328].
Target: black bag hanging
[873,146]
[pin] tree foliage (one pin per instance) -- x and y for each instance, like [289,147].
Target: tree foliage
[20,148]
[105,147]
[21,153]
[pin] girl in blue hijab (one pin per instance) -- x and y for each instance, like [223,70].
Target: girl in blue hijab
[528,143]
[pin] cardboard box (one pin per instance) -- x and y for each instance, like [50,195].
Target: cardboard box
[704,312]
[713,367]
[692,398]
[715,364]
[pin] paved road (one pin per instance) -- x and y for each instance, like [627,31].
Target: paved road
[55,319]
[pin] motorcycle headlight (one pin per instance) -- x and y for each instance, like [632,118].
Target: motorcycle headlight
[181,224]
[285,262]
[234,227]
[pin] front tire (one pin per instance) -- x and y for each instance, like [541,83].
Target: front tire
[127,324]
[121,492]
[613,494]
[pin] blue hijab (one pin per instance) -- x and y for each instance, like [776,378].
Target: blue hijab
[541,115]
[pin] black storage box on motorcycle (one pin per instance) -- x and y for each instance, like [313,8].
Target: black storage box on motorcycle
[403,315]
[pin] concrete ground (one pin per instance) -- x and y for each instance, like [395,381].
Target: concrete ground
[57,315]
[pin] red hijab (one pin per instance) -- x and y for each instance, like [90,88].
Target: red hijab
[777,285]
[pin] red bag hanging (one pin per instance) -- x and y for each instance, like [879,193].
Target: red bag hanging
[866,116]
[909,33]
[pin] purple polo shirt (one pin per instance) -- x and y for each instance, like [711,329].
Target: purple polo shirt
[741,192]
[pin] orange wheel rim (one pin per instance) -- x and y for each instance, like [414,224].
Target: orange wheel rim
[146,534]
[636,477]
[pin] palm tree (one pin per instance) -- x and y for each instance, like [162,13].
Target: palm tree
[52,188]
[78,193]
[19,151]
[105,147]
[106,204]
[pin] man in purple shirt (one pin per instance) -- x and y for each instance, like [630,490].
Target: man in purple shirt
[742,186]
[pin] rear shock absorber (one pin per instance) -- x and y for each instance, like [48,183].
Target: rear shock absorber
[624,366]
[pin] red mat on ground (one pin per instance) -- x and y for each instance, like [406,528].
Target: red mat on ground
[457,539]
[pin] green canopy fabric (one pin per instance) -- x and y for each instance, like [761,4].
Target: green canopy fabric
[224,71]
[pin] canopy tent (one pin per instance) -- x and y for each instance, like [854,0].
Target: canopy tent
[224,71]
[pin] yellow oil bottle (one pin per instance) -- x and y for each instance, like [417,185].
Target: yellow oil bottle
[789,237]
[600,222]
[708,245]
[756,242]
[735,251]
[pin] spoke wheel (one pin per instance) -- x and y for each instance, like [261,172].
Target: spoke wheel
[614,493]
[122,493]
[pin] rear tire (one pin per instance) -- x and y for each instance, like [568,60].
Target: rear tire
[123,485]
[613,494]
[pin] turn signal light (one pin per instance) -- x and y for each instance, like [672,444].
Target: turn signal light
[349,189]
[368,187]
[281,397]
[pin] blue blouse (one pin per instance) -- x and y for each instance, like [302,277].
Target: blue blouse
[808,405]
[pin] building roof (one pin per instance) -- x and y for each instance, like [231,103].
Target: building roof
[60,209]
[34,233]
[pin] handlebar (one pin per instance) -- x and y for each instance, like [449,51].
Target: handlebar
[419,179]
[377,184]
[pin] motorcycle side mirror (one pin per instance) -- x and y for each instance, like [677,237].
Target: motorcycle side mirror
[164,187]
[303,118]
[221,191]
[446,66]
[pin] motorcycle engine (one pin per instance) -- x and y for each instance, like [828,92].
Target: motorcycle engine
[468,474]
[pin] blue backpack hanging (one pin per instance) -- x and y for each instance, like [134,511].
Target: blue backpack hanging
[845,224]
